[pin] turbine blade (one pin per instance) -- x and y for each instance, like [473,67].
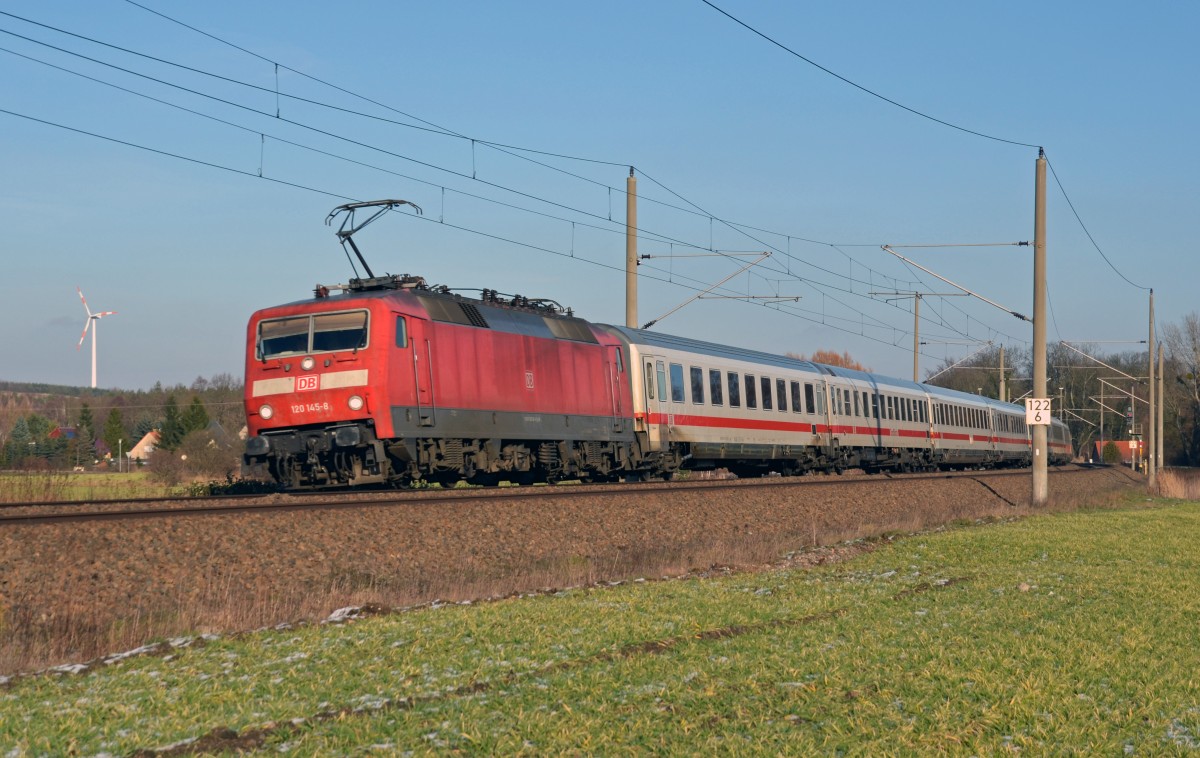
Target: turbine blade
[105,313]
[83,336]
[84,300]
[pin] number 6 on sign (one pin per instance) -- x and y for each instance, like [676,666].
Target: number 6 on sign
[1037,411]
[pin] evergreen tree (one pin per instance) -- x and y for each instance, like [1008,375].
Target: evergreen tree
[144,425]
[85,428]
[115,435]
[85,436]
[19,442]
[195,417]
[172,431]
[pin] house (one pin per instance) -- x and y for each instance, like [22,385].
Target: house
[145,446]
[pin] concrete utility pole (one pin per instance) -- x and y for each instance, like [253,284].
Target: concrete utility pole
[916,333]
[1151,441]
[631,255]
[1041,471]
[1003,386]
[1160,406]
[916,296]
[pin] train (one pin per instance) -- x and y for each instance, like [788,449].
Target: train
[388,381]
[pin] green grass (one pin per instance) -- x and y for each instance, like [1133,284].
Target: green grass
[1065,634]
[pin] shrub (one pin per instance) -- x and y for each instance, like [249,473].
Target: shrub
[1111,453]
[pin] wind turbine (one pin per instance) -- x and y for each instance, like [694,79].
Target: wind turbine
[92,318]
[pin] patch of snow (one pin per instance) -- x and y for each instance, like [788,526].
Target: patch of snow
[175,745]
[68,668]
[108,660]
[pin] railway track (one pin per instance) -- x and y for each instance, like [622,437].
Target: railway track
[47,512]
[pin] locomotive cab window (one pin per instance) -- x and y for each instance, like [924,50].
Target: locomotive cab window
[283,336]
[401,332]
[339,331]
[323,332]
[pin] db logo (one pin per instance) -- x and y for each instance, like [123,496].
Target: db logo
[528,380]
[306,383]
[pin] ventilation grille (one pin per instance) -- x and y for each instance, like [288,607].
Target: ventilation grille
[453,312]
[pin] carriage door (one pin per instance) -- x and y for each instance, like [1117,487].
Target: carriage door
[422,370]
[613,368]
[654,380]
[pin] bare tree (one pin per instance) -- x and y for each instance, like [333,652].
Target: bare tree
[1181,384]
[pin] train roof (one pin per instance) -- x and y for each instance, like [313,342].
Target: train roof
[700,347]
[539,319]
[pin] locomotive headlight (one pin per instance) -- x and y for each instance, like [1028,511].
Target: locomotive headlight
[265,411]
[307,363]
[355,402]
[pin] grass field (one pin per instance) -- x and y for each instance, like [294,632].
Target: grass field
[1065,634]
[25,486]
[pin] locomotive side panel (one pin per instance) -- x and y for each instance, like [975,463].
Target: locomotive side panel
[489,383]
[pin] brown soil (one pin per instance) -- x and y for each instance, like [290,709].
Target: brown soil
[73,591]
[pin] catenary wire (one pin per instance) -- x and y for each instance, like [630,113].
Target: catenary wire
[1083,226]
[659,237]
[857,86]
[446,130]
[701,212]
[824,319]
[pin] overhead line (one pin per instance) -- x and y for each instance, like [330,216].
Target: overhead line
[701,211]
[857,86]
[774,306]
[1085,229]
[501,147]
[436,128]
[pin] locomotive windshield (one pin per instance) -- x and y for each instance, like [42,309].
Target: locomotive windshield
[323,332]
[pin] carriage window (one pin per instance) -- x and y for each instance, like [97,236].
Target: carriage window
[735,392]
[781,394]
[676,383]
[697,385]
[662,380]
[766,393]
[714,386]
[837,401]
[856,409]
[650,381]
[809,402]
[875,406]
[751,399]
[339,331]
[797,405]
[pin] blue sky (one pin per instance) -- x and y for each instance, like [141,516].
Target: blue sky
[721,126]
